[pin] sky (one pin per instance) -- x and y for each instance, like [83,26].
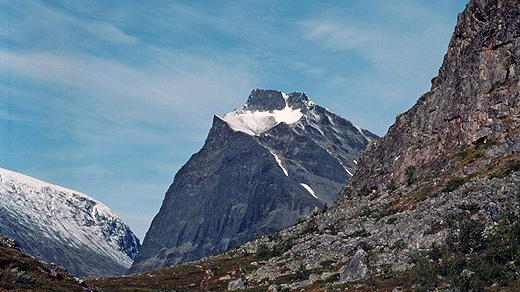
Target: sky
[111,98]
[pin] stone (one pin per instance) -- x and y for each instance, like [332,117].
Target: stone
[237,284]
[225,278]
[299,248]
[356,269]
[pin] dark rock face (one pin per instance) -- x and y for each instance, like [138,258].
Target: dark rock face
[240,186]
[265,100]
[474,99]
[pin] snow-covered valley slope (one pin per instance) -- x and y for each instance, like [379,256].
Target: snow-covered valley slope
[65,227]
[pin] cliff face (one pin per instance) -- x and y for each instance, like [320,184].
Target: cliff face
[473,101]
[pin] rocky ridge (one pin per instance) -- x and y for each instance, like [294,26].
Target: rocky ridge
[20,272]
[473,101]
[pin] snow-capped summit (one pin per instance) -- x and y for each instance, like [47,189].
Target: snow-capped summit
[263,110]
[64,226]
[262,167]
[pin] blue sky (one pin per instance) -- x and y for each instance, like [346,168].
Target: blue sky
[111,98]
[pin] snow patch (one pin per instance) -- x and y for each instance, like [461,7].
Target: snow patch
[361,132]
[257,122]
[279,161]
[355,162]
[345,168]
[308,189]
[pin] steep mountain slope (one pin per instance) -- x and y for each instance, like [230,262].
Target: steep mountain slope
[65,227]
[473,101]
[261,168]
[433,206]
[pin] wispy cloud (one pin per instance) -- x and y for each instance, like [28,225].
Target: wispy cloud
[48,27]
[337,36]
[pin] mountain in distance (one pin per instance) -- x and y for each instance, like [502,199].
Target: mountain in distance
[65,227]
[262,167]
[433,206]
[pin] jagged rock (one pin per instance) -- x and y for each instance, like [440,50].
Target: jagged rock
[357,268]
[237,284]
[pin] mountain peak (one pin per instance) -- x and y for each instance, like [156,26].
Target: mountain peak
[265,100]
[265,109]
[271,100]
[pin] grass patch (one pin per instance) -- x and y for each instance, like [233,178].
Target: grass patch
[453,184]
[470,153]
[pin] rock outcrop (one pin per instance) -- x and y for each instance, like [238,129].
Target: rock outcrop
[20,272]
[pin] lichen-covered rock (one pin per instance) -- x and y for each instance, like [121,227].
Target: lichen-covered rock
[455,153]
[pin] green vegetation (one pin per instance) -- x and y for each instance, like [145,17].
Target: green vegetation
[263,252]
[392,186]
[399,244]
[364,191]
[472,260]
[301,273]
[510,165]
[410,175]
[470,153]
[453,184]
